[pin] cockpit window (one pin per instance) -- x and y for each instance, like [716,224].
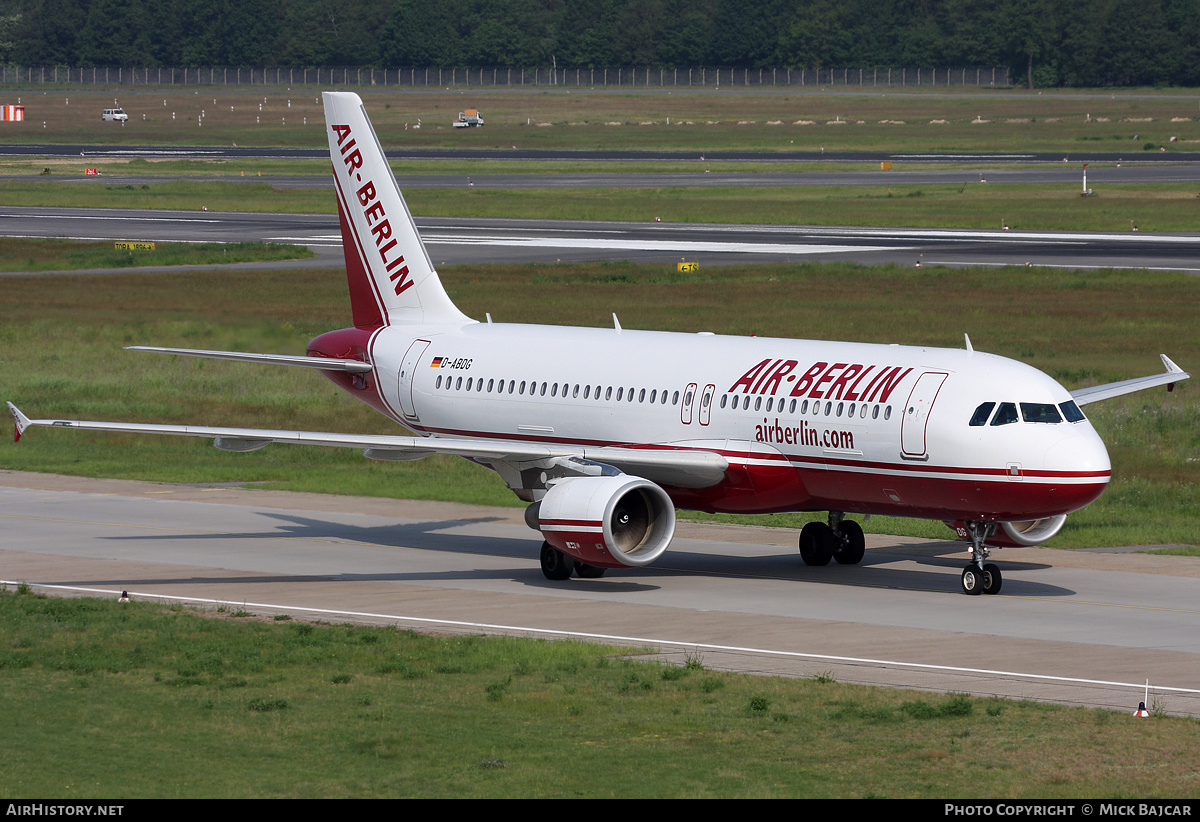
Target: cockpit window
[1040,412]
[980,417]
[1071,411]
[1006,414]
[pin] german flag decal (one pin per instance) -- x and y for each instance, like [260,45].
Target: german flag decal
[437,362]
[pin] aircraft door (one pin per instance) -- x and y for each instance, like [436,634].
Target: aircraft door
[706,403]
[916,415]
[685,407]
[407,372]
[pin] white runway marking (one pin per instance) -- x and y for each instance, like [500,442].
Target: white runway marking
[619,639]
[650,245]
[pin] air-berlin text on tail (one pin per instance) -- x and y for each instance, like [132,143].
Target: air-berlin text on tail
[373,213]
[835,381]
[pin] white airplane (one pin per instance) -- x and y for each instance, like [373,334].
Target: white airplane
[606,431]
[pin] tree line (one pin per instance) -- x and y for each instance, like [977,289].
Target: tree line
[1043,42]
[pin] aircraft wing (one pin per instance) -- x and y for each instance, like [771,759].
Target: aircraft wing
[686,468]
[1095,393]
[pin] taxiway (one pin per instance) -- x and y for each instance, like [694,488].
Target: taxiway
[476,240]
[1071,627]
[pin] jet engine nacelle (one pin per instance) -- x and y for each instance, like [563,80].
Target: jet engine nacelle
[608,522]
[1018,534]
[1027,532]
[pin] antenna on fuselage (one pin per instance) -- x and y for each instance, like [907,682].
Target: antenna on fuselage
[967,337]
[616,323]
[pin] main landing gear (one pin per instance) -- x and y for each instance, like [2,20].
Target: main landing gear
[842,539]
[558,566]
[980,577]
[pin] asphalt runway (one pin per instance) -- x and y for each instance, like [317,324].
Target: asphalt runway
[454,241]
[394,151]
[1071,627]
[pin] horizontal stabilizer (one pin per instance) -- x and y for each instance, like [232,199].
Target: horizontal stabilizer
[323,363]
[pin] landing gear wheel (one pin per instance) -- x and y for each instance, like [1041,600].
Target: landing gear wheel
[555,564]
[816,544]
[972,581]
[585,571]
[992,580]
[851,551]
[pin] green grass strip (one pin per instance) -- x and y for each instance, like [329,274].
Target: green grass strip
[108,700]
[970,204]
[27,254]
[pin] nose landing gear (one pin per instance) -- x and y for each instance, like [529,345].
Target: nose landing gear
[980,577]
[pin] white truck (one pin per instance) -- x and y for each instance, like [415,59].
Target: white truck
[468,118]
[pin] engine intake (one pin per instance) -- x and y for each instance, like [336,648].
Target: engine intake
[608,522]
[1029,532]
[1018,533]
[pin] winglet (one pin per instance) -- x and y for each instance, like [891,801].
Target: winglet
[1172,368]
[22,421]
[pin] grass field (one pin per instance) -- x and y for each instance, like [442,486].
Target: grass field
[1080,327]
[1168,207]
[105,700]
[27,254]
[885,120]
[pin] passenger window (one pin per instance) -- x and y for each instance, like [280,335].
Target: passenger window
[438,384]
[1007,413]
[1040,412]
[980,417]
[1071,411]
[653,395]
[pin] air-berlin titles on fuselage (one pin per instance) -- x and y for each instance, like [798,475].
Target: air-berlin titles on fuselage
[853,382]
[373,211]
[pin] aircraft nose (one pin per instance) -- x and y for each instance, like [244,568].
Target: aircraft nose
[1081,453]
[1082,462]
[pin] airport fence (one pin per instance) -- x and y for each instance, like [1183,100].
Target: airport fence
[504,77]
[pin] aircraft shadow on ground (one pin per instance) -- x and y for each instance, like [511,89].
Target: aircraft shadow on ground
[435,535]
